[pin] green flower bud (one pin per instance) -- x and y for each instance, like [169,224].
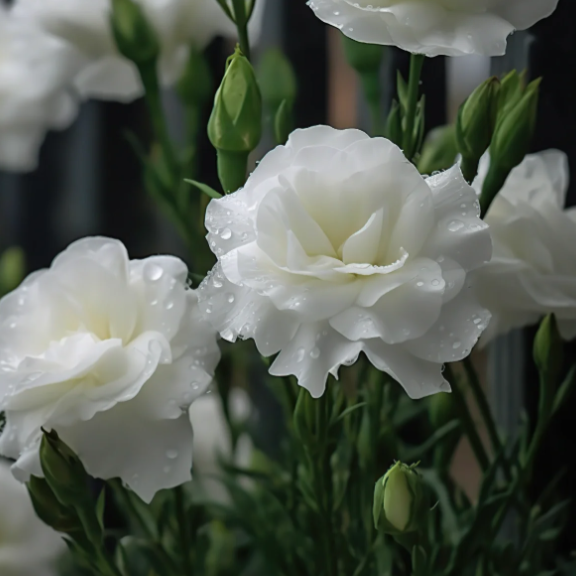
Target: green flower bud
[363,57]
[283,122]
[277,79]
[400,505]
[475,125]
[511,90]
[548,349]
[63,471]
[12,269]
[135,37]
[235,125]
[514,130]
[49,509]
[195,86]
[439,151]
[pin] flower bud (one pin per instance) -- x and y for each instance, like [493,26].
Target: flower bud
[439,151]
[361,56]
[49,509]
[235,125]
[475,125]
[12,269]
[548,349]
[135,38]
[514,130]
[399,501]
[277,79]
[195,86]
[283,122]
[63,471]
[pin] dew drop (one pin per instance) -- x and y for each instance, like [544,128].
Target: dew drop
[456,345]
[315,353]
[230,298]
[169,305]
[435,282]
[172,454]
[455,225]
[226,234]
[167,469]
[300,353]
[153,272]
[420,284]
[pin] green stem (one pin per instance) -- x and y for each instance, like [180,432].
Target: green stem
[183,529]
[485,411]
[408,139]
[468,422]
[241,19]
[149,77]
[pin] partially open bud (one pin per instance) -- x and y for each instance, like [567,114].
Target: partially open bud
[235,125]
[475,125]
[134,36]
[399,501]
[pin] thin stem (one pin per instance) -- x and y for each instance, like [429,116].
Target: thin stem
[485,411]
[468,422]
[241,19]
[149,77]
[408,141]
[183,529]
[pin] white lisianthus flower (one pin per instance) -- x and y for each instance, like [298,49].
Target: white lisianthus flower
[337,245]
[110,353]
[106,74]
[27,546]
[35,70]
[533,269]
[434,27]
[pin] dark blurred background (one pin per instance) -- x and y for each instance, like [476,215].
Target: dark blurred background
[89,180]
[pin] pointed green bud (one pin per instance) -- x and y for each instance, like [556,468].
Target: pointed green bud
[135,37]
[12,269]
[283,122]
[511,89]
[394,124]
[400,504]
[235,125]
[63,471]
[514,130]
[195,86]
[50,510]
[475,125]
[277,79]
[439,151]
[548,348]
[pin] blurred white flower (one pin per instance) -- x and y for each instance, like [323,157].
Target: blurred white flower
[337,245]
[27,546]
[35,71]
[106,74]
[212,439]
[533,269]
[109,352]
[434,27]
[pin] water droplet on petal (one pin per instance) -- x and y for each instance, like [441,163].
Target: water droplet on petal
[230,298]
[456,345]
[153,272]
[172,454]
[315,353]
[300,353]
[455,225]
[226,234]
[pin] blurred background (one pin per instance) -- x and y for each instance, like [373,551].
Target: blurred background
[89,179]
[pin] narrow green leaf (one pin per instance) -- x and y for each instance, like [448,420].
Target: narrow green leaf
[566,388]
[204,188]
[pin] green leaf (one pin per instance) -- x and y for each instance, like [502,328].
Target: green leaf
[449,518]
[100,506]
[402,90]
[417,452]
[566,388]
[204,188]
[349,411]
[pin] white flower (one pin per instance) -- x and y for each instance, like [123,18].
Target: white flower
[212,440]
[533,269]
[336,245]
[110,353]
[27,546]
[34,72]
[434,27]
[106,74]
